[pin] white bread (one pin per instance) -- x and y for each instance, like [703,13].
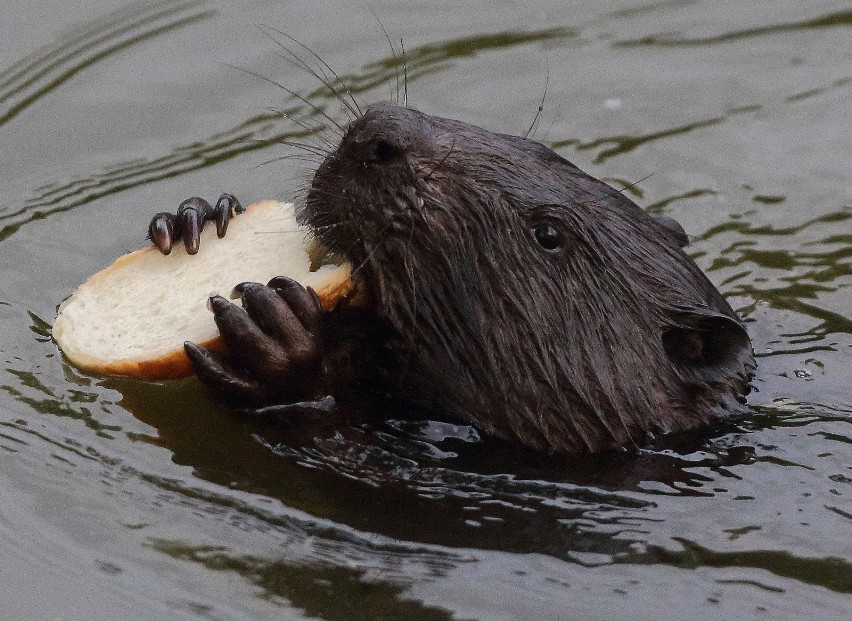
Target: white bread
[133,317]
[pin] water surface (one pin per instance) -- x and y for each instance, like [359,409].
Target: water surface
[121,499]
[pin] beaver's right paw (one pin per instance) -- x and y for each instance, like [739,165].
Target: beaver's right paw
[275,342]
[166,228]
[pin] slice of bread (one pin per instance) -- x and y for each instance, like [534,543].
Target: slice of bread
[133,317]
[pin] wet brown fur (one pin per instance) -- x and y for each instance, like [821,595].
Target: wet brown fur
[611,337]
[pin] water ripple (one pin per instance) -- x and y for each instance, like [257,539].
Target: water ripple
[831,20]
[40,73]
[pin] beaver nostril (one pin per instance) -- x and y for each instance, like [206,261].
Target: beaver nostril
[384,151]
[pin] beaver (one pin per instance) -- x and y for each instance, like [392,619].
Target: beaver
[518,293]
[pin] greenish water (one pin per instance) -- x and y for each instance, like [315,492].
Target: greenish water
[121,499]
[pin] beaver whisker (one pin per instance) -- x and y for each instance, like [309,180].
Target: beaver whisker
[635,183]
[410,271]
[376,246]
[291,156]
[390,45]
[304,146]
[441,162]
[540,105]
[404,75]
[316,130]
[326,227]
[323,79]
[293,93]
[552,123]
[319,151]
[406,262]
[408,200]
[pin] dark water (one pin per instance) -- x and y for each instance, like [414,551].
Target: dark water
[125,500]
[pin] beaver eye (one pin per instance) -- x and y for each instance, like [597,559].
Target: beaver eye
[384,151]
[548,236]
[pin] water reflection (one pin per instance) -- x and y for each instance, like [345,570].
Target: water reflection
[36,76]
[830,20]
[430,482]
[325,590]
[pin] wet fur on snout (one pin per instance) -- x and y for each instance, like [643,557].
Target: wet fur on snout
[594,344]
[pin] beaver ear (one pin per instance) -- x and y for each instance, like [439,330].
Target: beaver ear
[707,346]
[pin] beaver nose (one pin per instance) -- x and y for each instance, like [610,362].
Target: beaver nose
[375,148]
[383,134]
[372,150]
[381,151]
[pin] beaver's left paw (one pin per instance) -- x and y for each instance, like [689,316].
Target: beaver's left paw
[275,342]
[165,228]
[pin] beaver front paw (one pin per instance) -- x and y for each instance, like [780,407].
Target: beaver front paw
[275,342]
[166,228]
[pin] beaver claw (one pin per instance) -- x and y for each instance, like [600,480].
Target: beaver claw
[166,228]
[275,344]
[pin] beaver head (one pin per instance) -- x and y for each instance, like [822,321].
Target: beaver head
[544,305]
